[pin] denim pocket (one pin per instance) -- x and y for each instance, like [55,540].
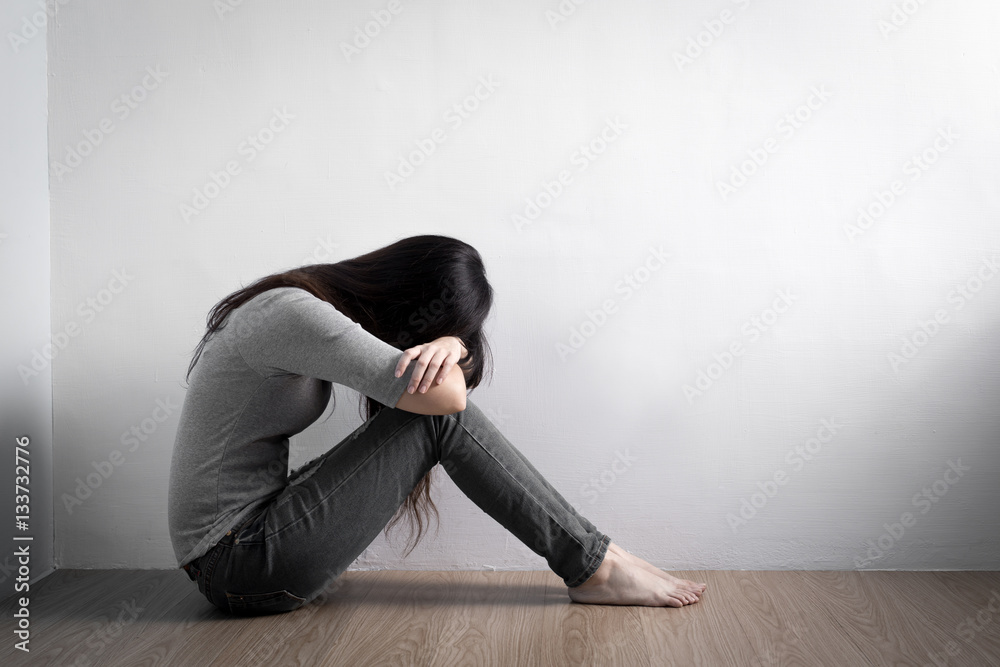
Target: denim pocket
[253,604]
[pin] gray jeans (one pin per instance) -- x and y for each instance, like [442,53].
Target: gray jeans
[286,554]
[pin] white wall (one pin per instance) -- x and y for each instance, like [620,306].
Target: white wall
[666,472]
[27,348]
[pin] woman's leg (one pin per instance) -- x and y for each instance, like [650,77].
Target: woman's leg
[336,506]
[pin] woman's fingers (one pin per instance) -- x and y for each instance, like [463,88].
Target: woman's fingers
[445,369]
[419,366]
[432,363]
[404,360]
[451,358]
[422,357]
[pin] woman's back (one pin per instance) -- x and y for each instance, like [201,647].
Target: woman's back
[261,379]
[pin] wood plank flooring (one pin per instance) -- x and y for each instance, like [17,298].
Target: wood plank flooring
[150,618]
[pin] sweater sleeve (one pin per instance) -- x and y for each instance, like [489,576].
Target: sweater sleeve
[288,330]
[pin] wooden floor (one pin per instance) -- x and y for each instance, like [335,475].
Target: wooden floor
[155,617]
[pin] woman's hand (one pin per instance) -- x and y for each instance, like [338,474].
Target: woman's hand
[434,361]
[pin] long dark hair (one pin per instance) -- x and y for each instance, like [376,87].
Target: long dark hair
[408,293]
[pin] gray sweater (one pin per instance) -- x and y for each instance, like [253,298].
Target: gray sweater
[262,378]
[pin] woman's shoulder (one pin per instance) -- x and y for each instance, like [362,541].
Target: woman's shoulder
[271,303]
[279,295]
[288,305]
[280,314]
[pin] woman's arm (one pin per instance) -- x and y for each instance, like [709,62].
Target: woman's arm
[436,386]
[444,398]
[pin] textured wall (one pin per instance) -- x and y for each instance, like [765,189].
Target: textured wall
[744,254]
[26,347]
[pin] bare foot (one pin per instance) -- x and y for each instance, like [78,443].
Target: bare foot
[683,584]
[622,580]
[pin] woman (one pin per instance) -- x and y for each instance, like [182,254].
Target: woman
[259,542]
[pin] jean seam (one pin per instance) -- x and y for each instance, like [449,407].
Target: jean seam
[344,481]
[589,572]
[209,571]
[527,493]
[246,523]
[216,553]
